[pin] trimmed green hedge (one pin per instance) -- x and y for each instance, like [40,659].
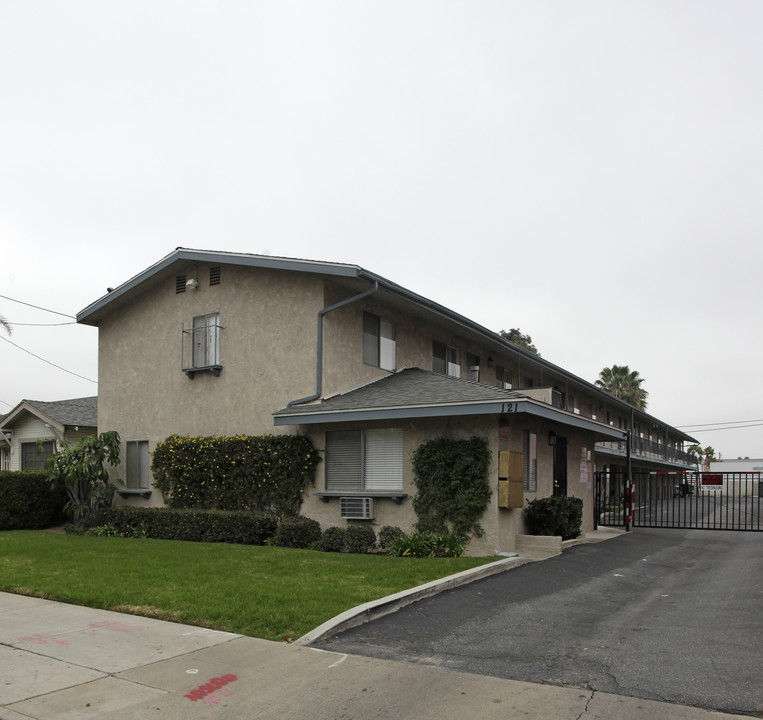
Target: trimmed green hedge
[29,502]
[555,516]
[241,527]
[261,473]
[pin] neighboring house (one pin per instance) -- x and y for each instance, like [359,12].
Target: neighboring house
[218,343]
[32,431]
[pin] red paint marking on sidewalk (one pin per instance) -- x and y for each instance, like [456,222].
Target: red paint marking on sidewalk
[213,691]
[41,640]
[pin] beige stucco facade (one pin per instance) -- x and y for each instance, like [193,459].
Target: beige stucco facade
[268,344]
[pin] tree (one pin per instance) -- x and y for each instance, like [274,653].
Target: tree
[516,336]
[704,457]
[623,383]
[82,469]
[5,325]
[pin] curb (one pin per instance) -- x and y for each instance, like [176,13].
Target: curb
[361,614]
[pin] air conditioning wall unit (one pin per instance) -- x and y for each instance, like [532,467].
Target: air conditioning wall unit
[356,508]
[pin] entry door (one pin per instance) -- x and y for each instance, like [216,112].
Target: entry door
[560,466]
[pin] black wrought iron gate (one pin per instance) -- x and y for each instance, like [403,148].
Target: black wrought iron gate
[695,500]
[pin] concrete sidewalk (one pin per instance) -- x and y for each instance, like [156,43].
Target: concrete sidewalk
[61,661]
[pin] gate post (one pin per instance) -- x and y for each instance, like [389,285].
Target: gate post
[628,504]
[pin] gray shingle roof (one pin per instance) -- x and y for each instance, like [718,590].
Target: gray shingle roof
[409,387]
[79,411]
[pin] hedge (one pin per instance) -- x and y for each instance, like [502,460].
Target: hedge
[194,525]
[29,502]
[261,473]
[555,516]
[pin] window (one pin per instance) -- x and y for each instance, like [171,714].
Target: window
[206,340]
[138,465]
[179,284]
[364,460]
[378,342]
[530,443]
[445,360]
[572,405]
[32,457]
[502,378]
[214,275]
[472,367]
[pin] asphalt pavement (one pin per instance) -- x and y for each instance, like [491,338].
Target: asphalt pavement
[669,615]
[60,661]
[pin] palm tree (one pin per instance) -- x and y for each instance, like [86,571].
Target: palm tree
[624,383]
[5,325]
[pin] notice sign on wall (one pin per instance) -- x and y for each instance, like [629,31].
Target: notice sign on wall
[712,482]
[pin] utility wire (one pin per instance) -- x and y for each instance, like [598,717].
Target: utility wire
[36,307]
[728,422]
[47,361]
[730,427]
[14,324]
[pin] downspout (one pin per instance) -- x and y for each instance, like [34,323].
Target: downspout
[319,360]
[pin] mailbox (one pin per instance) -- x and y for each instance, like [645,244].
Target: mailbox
[511,467]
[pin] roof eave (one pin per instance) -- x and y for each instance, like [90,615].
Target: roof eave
[89,316]
[405,412]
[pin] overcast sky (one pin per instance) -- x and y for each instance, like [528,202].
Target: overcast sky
[590,172]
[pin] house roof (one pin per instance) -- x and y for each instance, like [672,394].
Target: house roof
[180,257]
[417,393]
[81,412]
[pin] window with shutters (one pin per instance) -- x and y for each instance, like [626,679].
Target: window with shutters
[201,345]
[138,463]
[379,342]
[530,448]
[445,359]
[364,460]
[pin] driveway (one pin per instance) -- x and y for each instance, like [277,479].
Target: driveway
[668,615]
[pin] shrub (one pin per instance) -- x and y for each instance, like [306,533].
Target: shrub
[244,528]
[359,538]
[28,501]
[298,532]
[333,539]
[81,468]
[260,473]
[389,533]
[451,477]
[428,544]
[555,516]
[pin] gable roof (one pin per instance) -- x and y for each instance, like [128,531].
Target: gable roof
[180,257]
[80,412]
[417,393]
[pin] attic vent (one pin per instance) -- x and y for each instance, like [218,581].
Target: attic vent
[356,508]
[214,275]
[179,284]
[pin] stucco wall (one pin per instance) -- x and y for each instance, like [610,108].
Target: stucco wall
[267,350]
[500,525]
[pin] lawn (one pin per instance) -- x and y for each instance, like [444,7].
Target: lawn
[265,592]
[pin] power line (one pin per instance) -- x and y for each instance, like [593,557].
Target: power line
[37,307]
[47,361]
[730,427]
[14,324]
[728,422]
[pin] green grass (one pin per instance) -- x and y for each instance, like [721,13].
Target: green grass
[264,592]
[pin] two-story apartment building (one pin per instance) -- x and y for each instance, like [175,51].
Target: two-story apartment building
[206,343]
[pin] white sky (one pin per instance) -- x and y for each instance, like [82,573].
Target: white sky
[590,172]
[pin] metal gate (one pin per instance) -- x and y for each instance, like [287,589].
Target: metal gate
[693,500]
